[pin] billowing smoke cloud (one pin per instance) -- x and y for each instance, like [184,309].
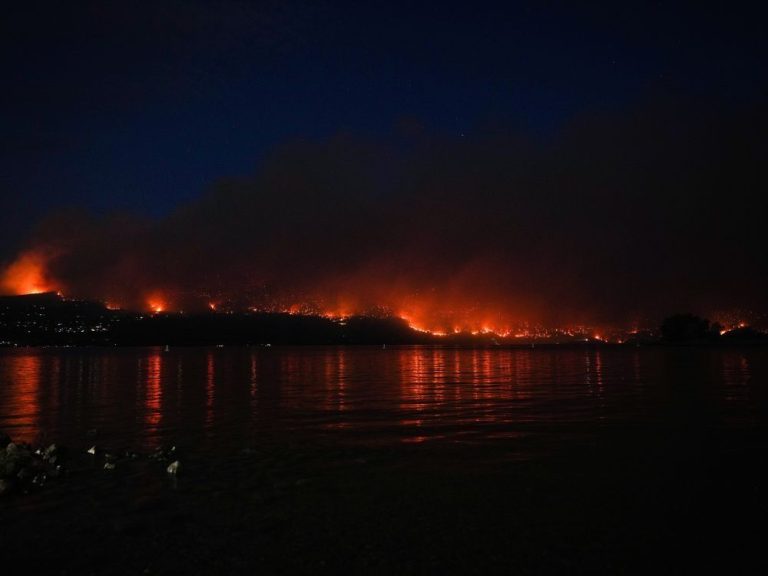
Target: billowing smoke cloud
[622,216]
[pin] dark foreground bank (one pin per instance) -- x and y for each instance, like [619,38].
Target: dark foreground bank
[620,501]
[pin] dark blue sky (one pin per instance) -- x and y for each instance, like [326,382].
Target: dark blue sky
[142,105]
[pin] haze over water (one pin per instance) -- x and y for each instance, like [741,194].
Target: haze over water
[227,399]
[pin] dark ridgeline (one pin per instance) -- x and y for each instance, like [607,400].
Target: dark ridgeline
[49,319]
[689,328]
[260,328]
[42,319]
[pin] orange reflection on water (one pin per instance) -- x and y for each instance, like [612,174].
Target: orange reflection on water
[485,390]
[736,370]
[594,372]
[416,376]
[153,400]
[335,375]
[736,376]
[254,381]
[440,372]
[341,378]
[438,384]
[210,388]
[25,394]
[519,371]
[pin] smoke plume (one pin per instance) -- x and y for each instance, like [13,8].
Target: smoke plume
[622,216]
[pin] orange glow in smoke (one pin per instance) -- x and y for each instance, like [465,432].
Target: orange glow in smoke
[420,314]
[156,304]
[341,314]
[440,314]
[26,275]
[425,319]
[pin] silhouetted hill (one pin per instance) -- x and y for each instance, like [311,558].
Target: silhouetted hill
[687,327]
[48,319]
[745,334]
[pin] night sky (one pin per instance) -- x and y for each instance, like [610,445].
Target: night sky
[603,161]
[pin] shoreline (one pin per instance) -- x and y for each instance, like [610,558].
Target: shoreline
[630,502]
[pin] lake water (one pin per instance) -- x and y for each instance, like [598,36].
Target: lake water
[410,460]
[234,397]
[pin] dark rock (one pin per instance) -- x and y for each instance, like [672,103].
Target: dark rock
[13,459]
[6,465]
[5,486]
[4,440]
[25,474]
[163,454]
[25,468]
[50,452]
[174,468]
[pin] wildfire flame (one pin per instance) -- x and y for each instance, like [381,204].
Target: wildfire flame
[27,275]
[156,304]
[433,314]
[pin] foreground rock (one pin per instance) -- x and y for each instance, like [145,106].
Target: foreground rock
[23,468]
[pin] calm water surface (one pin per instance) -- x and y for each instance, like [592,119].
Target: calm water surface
[232,397]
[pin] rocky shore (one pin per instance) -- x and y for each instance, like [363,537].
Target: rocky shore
[25,468]
[626,501]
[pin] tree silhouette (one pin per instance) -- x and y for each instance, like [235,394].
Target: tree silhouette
[685,327]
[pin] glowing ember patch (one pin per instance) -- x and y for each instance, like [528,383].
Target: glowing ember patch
[433,321]
[336,315]
[27,275]
[424,330]
[156,304]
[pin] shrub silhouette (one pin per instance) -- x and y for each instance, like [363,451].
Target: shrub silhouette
[684,327]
